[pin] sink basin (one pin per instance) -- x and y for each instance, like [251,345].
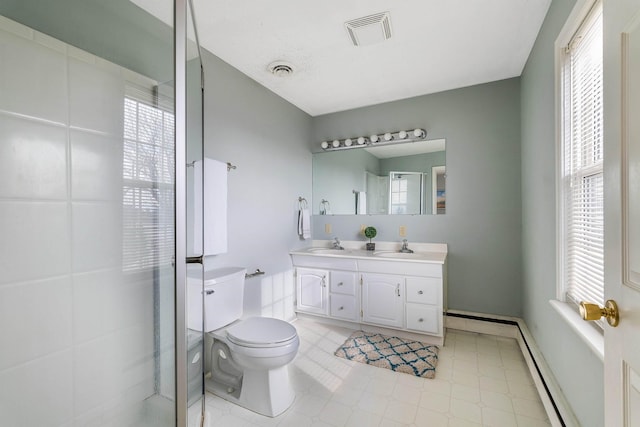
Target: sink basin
[401,255]
[328,251]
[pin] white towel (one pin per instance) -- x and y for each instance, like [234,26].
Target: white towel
[361,203]
[215,207]
[304,223]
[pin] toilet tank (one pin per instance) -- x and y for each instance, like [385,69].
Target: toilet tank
[223,298]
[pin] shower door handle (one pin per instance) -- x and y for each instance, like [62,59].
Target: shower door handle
[194,259]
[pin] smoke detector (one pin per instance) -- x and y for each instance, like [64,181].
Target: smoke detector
[369,29]
[281,68]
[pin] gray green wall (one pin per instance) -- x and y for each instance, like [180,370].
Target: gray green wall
[337,174]
[483,222]
[265,137]
[578,372]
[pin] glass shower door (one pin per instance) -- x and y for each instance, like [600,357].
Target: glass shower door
[87,207]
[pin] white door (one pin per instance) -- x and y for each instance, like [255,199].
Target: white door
[622,209]
[383,299]
[311,290]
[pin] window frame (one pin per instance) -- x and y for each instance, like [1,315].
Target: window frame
[582,12]
[147,95]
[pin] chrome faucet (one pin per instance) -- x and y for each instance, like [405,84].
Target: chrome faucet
[405,247]
[336,244]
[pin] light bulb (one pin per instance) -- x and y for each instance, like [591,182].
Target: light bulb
[348,142]
[336,143]
[324,145]
[388,136]
[361,140]
[374,138]
[402,134]
[418,133]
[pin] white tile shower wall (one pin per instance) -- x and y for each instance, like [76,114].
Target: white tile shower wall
[77,332]
[34,78]
[33,145]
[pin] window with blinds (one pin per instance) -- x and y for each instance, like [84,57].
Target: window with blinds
[399,197]
[148,181]
[582,165]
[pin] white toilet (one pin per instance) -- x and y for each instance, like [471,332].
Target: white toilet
[247,358]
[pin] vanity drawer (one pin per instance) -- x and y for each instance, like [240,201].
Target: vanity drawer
[343,282]
[423,318]
[424,290]
[343,306]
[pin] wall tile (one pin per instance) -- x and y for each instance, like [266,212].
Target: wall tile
[33,159]
[105,301]
[35,240]
[93,301]
[33,79]
[38,393]
[11,26]
[96,373]
[35,317]
[96,97]
[97,236]
[96,166]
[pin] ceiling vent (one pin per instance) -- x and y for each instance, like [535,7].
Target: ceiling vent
[281,68]
[369,29]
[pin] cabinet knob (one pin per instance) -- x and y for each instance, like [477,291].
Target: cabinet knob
[341,308]
[420,292]
[340,284]
[421,320]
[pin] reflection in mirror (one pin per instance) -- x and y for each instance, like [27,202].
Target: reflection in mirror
[388,180]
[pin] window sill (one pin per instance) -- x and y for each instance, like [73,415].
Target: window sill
[589,335]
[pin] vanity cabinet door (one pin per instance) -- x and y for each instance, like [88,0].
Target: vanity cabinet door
[424,318]
[383,299]
[344,307]
[311,291]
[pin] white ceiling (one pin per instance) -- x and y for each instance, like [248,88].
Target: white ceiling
[436,45]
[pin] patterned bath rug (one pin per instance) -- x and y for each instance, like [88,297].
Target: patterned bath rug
[398,354]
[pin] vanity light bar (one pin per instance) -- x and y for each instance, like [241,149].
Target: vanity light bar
[383,139]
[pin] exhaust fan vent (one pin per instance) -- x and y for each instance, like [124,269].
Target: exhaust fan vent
[369,29]
[281,68]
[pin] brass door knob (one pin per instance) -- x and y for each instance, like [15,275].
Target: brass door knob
[590,311]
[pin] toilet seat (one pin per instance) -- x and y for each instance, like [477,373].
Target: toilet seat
[262,332]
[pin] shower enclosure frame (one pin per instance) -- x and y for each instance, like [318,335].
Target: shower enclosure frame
[180,70]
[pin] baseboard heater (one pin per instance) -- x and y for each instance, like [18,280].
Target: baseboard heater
[524,340]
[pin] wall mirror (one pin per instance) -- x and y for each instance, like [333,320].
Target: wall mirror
[398,179]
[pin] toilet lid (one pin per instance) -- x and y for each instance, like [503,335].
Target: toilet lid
[261,331]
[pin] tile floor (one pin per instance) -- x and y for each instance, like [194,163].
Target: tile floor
[481,380]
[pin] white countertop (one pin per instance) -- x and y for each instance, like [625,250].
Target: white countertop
[434,253]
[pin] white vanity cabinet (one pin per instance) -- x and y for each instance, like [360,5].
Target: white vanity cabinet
[312,291]
[384,291]
[382,299]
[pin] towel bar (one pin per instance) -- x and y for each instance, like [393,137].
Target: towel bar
[258,272]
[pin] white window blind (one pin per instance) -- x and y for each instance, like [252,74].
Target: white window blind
[582,175]
[148,181]
[399,195]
